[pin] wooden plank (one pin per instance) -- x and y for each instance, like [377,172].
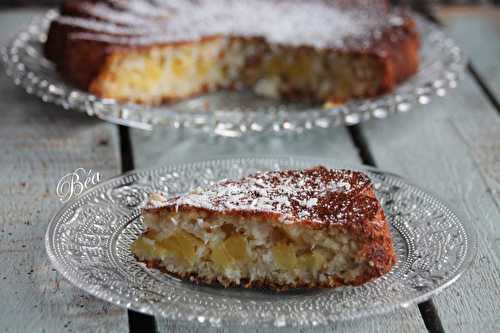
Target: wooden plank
[41,143]
[164,146]
[451,147]
[477,29]
[401,321]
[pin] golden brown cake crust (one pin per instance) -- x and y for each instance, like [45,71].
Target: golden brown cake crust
[89,33]
[317,198]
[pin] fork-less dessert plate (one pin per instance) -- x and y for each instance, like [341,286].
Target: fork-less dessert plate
[235,113]
[89,239]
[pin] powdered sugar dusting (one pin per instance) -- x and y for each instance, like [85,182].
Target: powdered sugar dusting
[318,194]
[105,12]
[317,23]
[103,26]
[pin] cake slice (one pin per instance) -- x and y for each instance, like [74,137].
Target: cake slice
[281,229]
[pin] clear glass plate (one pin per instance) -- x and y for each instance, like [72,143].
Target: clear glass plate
[89,240]
[234,113]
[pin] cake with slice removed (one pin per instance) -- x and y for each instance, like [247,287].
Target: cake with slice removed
[280,229]
[151,52]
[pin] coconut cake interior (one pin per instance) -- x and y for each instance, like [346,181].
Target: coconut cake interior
[280,71]
[241,249]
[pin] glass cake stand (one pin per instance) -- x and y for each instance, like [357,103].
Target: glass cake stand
[88,241]
[235,113]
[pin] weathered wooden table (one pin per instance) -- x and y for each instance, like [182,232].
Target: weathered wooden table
[451,146]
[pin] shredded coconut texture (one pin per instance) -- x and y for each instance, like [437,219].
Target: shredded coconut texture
[316,23]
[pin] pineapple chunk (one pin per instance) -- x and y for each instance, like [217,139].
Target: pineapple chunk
[221,257]
[284,256]
[182,246]
[178,67]
[153,69]
[144,245]
[230,252]
[236,246]
[183,61]
[313,261]
[202,67]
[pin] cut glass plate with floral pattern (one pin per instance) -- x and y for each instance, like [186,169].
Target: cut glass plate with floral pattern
[89,239]
[235,113]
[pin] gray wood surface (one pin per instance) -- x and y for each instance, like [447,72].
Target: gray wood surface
[455,150]
[39,144]
[451,147]
[165,146]
[477,29]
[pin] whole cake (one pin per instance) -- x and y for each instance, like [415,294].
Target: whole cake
[152,52]
[282,229]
